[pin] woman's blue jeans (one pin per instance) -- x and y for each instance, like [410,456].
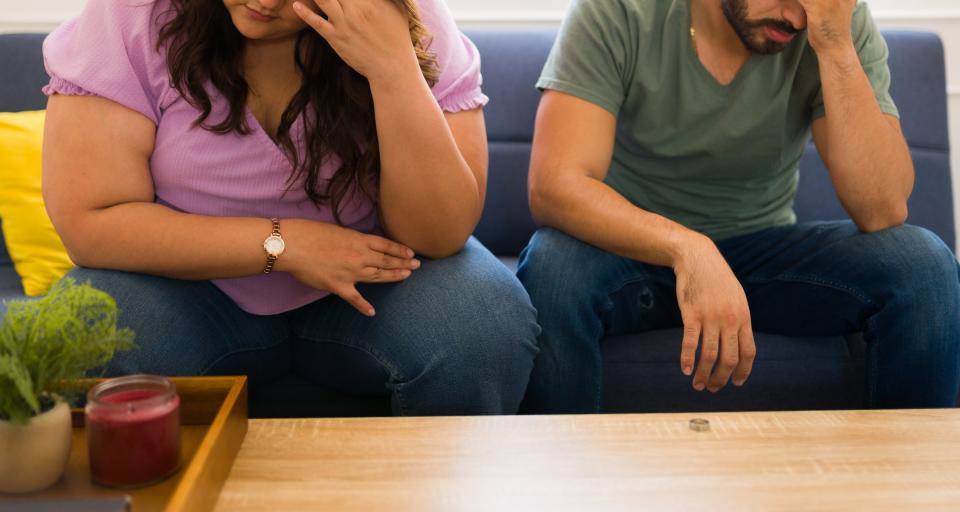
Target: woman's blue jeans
[457,337]
[899,287]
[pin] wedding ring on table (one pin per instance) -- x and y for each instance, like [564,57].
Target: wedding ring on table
[699,425]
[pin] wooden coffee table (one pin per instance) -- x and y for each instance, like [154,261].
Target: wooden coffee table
[850,461]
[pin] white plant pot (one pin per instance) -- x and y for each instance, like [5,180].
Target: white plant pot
[34,455]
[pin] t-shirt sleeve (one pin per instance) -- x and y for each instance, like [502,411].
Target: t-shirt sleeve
[591,55]
[458,87]
[873,52]
[107,51]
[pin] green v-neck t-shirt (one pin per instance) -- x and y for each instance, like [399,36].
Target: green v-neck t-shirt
[719,159]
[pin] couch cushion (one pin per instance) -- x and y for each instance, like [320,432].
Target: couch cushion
[10,287]
[641,373]
[918,85]
[21,60]
[931,204]
[512,61]
[31,239]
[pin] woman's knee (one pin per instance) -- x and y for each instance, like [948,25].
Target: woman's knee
[467,339]
[181,327]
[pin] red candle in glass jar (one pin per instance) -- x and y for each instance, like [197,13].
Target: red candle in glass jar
[133,430]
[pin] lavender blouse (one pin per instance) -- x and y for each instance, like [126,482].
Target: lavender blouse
[110,51]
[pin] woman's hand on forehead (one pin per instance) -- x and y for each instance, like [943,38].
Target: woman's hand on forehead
[371,36]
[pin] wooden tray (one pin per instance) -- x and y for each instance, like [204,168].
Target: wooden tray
[213,418]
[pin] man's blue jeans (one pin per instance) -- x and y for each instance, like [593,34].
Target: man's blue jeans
[458,337]
[900,287]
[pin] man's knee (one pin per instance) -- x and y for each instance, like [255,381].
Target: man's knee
[555,264]
[918,261]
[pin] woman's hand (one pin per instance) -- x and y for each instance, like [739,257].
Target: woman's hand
[331,258]
[371,36]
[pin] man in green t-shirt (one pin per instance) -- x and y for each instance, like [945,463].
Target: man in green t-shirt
[664,170]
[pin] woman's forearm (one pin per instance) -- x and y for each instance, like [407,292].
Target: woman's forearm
[153,239]
[430,197]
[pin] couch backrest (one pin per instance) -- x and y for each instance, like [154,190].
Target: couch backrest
[512,61]
[21,62]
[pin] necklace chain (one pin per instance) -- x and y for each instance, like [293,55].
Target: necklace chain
[693,39]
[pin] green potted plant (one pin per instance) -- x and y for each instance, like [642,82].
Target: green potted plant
[46,347]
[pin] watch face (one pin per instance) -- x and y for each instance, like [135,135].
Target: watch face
[273,245]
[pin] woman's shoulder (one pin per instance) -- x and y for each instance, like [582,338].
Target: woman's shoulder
[123,14]
[112,22]
[111,50]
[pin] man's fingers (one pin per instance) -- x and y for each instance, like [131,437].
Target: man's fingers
[688,349]
[748,352]
[709,351]
[353,297]
[729,357]
[390,247]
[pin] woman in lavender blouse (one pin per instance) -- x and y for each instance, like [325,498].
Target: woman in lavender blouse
[270,186]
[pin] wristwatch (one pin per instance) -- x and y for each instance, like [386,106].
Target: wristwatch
[273,246]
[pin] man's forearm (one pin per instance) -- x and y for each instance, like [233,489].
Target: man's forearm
[588,209]
[868,158]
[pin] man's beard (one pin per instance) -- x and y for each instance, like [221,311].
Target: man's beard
[736,13]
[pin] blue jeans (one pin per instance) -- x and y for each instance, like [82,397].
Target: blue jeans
[899,287]
[457,337]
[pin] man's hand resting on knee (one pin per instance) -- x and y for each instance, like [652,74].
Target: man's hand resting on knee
[716,317]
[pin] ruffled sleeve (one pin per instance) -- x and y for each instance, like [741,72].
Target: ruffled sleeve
[459,85]
[109,51]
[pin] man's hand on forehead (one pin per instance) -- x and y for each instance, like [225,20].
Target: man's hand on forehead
[829,24]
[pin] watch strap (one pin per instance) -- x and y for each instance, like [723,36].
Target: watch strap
[272,258]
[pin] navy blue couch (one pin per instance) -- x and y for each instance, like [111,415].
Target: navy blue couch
[641,371]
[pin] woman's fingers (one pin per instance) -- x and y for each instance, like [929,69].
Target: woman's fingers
[387,262]
[350,294]
[333,10]
[322,26]
[389,247]
[379,275]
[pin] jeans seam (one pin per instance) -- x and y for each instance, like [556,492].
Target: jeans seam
[813,280]
[238,351]
[395,374]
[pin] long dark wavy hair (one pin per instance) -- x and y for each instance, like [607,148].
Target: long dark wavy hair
[204,47]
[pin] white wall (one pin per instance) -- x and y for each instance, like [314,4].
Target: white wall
[941,16]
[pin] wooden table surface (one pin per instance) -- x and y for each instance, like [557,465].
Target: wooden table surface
[850,461]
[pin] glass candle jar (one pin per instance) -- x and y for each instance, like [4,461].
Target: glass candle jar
[133,430]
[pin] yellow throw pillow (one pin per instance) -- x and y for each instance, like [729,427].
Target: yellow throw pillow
[34,246]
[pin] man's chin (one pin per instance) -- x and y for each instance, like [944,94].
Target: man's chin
[766,46]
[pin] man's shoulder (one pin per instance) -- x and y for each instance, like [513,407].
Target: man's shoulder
[640,15]
[632,8]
